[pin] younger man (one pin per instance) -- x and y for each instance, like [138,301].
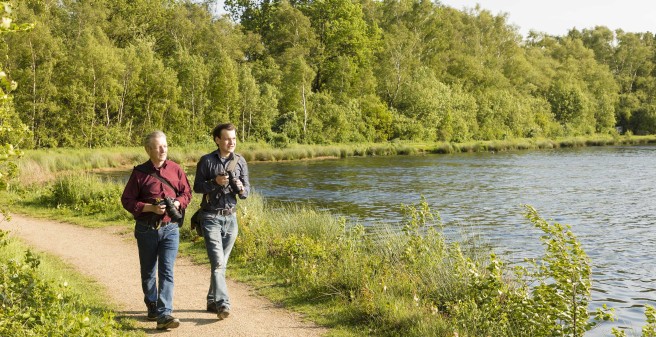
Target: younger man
[222,177]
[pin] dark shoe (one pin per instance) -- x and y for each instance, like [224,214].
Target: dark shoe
[211,307]
[223,312]
[152,311]
[167,322]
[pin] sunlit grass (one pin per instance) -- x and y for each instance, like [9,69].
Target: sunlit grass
[42,165]
[83,294]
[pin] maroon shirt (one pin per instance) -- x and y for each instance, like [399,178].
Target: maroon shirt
[143,189]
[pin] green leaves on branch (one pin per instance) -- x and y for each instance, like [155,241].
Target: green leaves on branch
[33,306]
[7,24]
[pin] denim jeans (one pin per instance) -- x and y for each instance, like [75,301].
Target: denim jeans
[158,249]
[220,233]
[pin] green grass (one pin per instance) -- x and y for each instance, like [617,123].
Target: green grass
[81,306]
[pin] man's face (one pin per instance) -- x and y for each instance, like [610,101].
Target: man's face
[227,142]
[157,149]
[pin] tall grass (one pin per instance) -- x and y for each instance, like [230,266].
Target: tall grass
[405,280]
[74,195]
[38,166]
[408,280]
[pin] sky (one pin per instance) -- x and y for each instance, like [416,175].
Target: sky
[557,17]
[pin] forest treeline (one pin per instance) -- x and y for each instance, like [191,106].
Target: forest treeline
[97,73]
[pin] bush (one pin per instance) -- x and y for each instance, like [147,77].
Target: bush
[33,306]
[415,282]
[88,195]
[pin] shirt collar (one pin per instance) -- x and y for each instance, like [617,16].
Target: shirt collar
[152,166]
[218,155]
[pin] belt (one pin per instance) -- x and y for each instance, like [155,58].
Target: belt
[154,224]
[160,224]
[222,211]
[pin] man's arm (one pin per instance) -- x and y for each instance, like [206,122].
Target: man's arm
[185,190]
[203,182]
[130,195]
[244,179]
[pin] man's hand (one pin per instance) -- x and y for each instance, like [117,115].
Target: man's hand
[240,185]
[221,180]
[157,209]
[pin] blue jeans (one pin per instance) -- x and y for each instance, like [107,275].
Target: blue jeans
[158,249]
[220,233]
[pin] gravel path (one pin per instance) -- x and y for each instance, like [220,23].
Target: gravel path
[109,255]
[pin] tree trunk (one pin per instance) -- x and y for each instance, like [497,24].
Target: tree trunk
[305,112]
[33,88]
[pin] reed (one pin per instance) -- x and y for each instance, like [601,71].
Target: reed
[38,166]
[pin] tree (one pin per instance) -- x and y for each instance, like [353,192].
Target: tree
[346,42]
[296,91]
[151,92]
[34,60]
[250,97]
[11,129]
[193,79]
[224,90]
[93,94]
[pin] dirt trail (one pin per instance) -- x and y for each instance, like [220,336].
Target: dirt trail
[109,255]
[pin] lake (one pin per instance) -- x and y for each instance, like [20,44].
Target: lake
[604,193]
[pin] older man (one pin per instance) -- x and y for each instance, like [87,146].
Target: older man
[155,194]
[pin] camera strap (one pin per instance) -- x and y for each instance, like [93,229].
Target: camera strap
[162,179]
[233,163]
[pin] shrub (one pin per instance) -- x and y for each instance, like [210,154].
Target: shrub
[33,306]
[87,194]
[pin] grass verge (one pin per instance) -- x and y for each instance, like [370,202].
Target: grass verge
[41,295]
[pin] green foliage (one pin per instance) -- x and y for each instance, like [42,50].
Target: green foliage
[102,74]
[86,195]
[12,130]
[649,330]
[415,280]
[564,281]
[31,305]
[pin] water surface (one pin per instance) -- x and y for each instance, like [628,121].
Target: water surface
[604,193]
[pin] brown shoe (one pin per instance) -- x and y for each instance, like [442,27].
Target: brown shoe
[211,307]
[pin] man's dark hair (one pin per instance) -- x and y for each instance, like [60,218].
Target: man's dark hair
[225,126]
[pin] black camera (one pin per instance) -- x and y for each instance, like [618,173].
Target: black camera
[232,181]
[171,210]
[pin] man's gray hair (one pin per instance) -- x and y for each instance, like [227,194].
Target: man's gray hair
[149,137]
